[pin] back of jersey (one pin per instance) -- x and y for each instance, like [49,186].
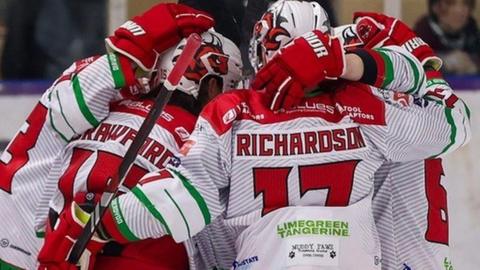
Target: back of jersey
[24,166]
[322,153]
[312,155]
[410,210]
[76,101]
[87,163]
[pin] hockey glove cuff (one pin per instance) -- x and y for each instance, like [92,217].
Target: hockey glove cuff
[377,30]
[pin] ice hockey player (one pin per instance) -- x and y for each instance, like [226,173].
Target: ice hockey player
[82,170]
[250,164]
[76,102]
[410,202]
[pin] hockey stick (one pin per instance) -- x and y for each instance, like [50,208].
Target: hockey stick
[113,185]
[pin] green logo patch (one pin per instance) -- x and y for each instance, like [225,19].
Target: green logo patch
[313,227]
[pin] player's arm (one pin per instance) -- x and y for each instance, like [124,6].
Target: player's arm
[380,30]
[313,57]
[390,68]
[420,129]
[79,99]
[162,203]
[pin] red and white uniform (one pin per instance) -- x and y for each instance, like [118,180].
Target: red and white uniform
[249,164]
[410,210]
[77,101]
[410,201]
[87,163]
[259,161]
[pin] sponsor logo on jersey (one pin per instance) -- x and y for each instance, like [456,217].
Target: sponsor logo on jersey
[394,98]
[312,247]
[133,28]
[355,112]
[312,228]
[136,105]
[420,102]
[182,133]
[145,107]
[5,243]
[314,251]
[402,99]
[229,116]
[299,143]
[114,64]
[315,106]
[116,212]
[245,264]
[447,264]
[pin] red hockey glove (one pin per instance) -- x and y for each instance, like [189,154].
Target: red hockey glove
[299,67]
[59,241]
[159,28]
[378,30]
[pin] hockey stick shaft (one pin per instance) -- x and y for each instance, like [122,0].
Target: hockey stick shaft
[192,45]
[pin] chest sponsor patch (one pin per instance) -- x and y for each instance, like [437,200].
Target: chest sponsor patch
[312,251]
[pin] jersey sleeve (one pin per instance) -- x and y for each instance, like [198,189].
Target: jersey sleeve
[80,98]
[418,129]
[177,201]
[392,68]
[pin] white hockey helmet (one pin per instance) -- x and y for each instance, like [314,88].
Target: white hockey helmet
[348,36]
[283,21]
[217,56]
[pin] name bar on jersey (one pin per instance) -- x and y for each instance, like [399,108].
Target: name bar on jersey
[299,143]
[152,150]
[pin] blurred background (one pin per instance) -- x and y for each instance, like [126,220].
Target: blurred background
[40,38]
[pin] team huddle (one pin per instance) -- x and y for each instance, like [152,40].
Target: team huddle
[330,159]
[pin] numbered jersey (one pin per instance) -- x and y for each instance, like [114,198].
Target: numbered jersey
[76,102]
[244,161]
[313,155]
[410,202]
[410,209]
[310,156]
[87,163]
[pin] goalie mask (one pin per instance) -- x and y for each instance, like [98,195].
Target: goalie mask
[217,56]
[282,22]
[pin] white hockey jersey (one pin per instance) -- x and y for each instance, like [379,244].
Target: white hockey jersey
[411,213]
[77,101]
[246,161]
[87,163]
[410,201]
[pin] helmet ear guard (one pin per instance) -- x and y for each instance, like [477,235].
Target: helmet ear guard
[283,21]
